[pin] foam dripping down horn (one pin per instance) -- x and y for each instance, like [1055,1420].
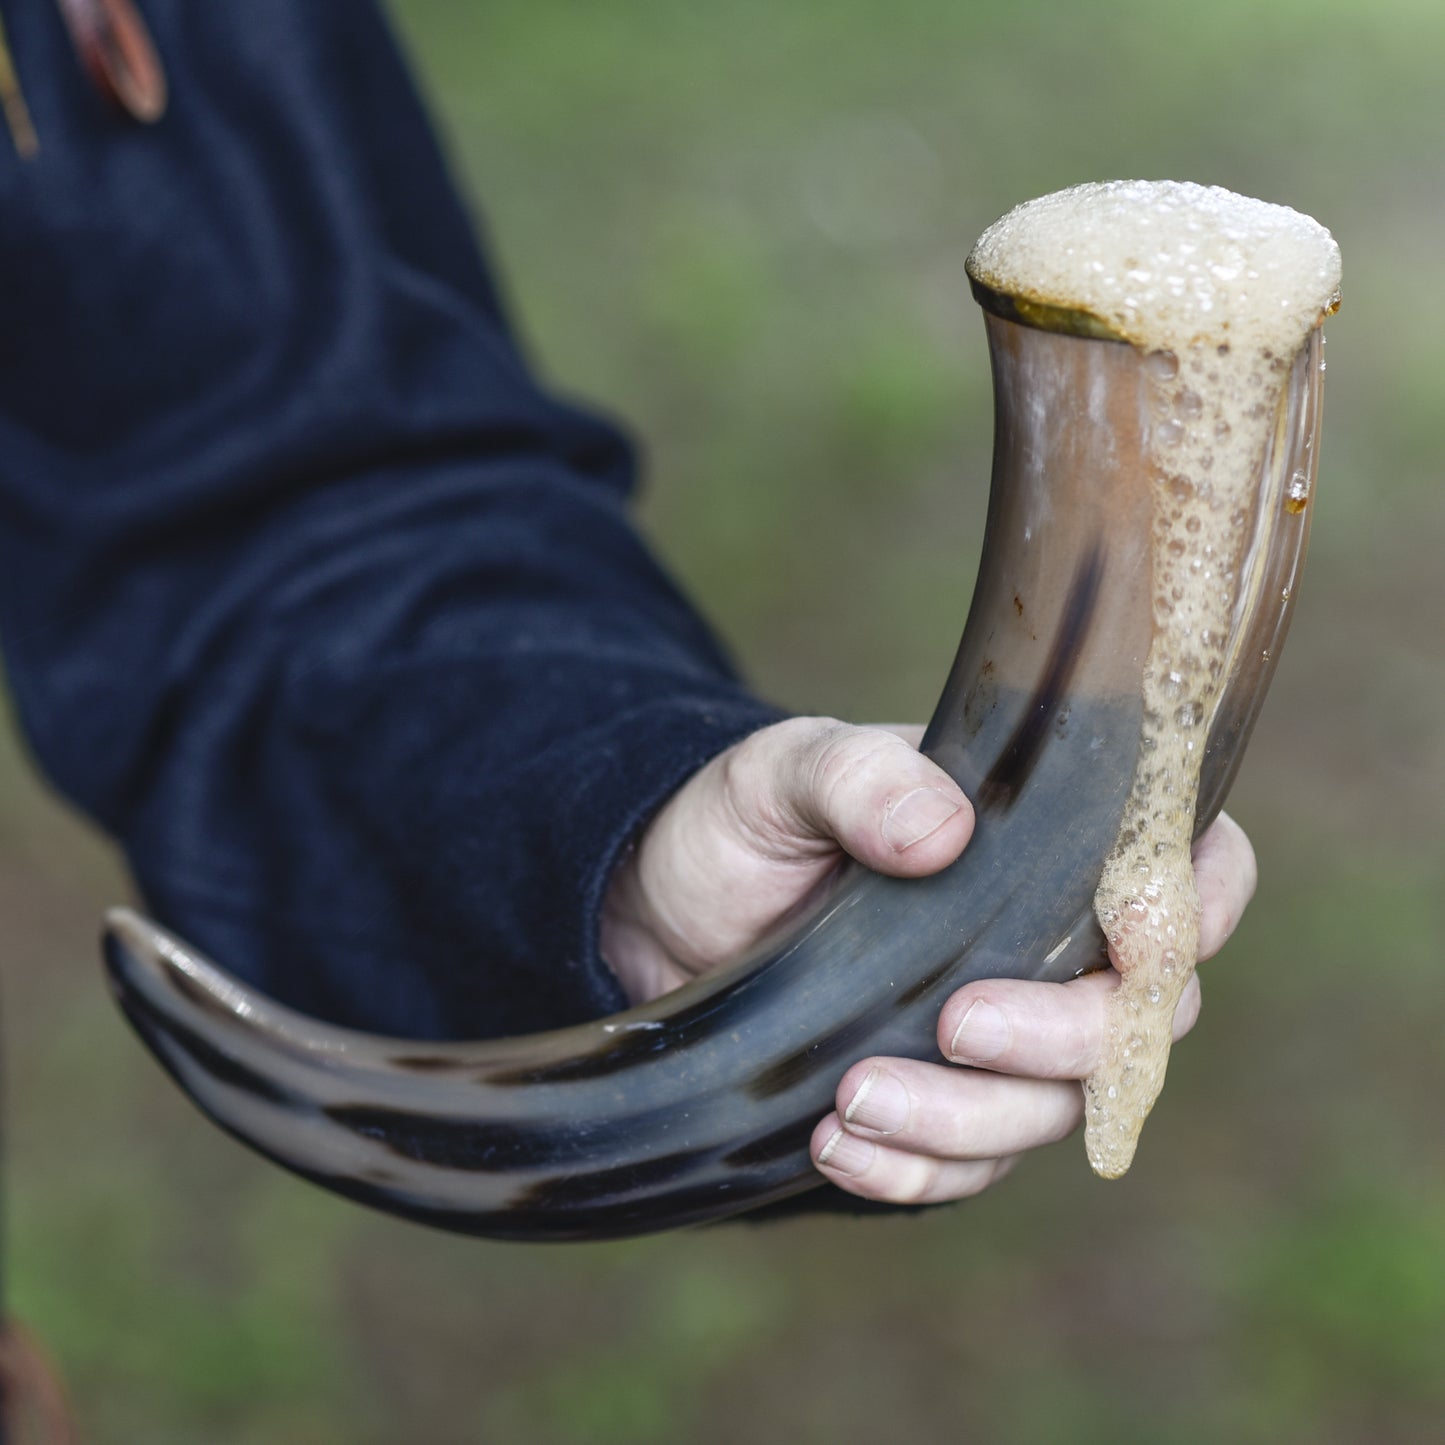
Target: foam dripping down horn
[700,1104]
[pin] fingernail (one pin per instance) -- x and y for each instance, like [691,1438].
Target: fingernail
[982,1034]
[881,1103]
[846,1154]
[914,816]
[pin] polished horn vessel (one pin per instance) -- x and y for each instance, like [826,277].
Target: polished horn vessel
[700,1104]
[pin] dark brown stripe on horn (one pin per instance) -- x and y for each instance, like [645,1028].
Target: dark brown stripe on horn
[1005,780]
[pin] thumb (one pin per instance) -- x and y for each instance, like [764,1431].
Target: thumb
[809,786]
[746,839]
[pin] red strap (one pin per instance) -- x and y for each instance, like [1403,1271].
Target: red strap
[115,48]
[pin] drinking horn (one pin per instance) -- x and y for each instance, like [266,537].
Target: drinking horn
[700,1104]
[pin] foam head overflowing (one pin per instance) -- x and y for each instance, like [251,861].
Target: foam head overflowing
[1166,264]
[1218,292]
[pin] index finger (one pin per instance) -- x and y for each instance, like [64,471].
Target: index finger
[1225,873]
[1039,1030]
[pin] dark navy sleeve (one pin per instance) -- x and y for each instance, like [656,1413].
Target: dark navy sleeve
[309,593]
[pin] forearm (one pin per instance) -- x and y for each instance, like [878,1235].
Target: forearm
[309,593]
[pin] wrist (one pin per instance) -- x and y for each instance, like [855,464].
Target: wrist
[627,937]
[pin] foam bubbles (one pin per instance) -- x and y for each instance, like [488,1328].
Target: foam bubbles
[1218,292]
[1165,264]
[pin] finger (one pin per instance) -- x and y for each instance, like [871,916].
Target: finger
[1225,874]
[811,780]
[1039,1030]
[955,1113]
[874,1171]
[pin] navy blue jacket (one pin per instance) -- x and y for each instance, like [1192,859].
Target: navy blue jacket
[309,593]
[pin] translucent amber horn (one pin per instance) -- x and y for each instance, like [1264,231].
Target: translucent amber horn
[700,1105]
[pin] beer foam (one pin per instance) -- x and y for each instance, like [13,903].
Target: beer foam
[1165,264]
[1219,292]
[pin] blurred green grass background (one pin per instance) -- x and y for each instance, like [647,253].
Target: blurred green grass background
[742,227]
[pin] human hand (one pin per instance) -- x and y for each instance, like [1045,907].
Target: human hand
[749,836]
[916,1133]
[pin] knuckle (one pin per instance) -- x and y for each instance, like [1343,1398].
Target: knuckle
[759,785]
[1080,1048]
[1001,1168]
[1215,933]
[976,1180]
[909,1180]
[1248,863]
[1074,1047]
[1060,1127]
[1186,1015]
[740,771]
[844,754]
